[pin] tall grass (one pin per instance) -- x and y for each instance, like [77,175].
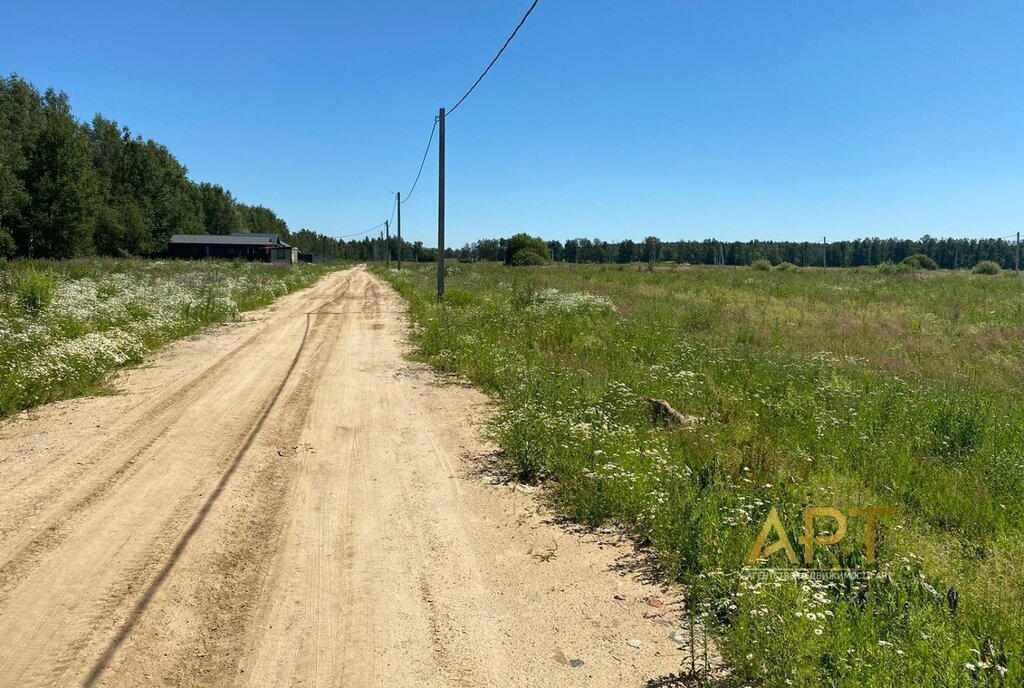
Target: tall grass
[65,326]
[845,389]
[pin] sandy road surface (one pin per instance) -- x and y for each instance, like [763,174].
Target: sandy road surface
[285,501]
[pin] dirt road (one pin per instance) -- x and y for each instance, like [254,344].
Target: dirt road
[285,501]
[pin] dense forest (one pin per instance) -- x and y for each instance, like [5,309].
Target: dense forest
[71,188]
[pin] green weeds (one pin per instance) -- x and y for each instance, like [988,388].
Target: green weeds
[845,389]
[66,325]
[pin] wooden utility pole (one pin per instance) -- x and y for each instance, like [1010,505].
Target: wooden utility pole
[1016,262]
[387,243]
[824,252]
[440,205]
[398,203]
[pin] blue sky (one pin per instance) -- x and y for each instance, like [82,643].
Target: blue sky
[686,120]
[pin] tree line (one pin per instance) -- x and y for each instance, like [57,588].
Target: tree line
[522,249]
[70,188]
[368,248]
[947,253]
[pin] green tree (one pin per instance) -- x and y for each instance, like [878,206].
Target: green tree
[220,212]
[523,249]
[260,220]
[61,185]
[121,230]
[21,120]
[159,185]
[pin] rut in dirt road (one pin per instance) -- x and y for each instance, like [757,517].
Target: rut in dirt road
[286,501]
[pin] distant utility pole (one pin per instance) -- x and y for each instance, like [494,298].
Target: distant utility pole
[1016,262]
[398,202]
[824,252]
[387,242]
[440,205]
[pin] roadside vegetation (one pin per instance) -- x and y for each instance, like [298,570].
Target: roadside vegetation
[849,389]
[65,326]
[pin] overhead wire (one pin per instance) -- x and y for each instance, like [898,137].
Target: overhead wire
[347,236]
[430,139]
[481,77]
[422,162]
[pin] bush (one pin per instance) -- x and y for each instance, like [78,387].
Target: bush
[526,257]
[890,268]
[987,267]
[33,289]
[7,246]
[761,264]
[523,249]
[920,261]
[785,266]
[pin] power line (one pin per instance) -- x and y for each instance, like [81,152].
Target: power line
[347,236]
[519,26]
[420,171]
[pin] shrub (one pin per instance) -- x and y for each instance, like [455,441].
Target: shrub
[890,268]
[33,289]
[7,246]
[523,249]
[761,264]
[920,261]
[987,267]
[785,265]
[526,257]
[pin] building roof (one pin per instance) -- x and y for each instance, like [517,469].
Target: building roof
[275,238]
[238,239]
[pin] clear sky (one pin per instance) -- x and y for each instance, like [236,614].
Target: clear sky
[682,119]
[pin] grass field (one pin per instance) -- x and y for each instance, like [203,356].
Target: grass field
[839,388]
[66,325]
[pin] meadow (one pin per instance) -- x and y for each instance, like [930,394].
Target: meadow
[843,388]
[65,326]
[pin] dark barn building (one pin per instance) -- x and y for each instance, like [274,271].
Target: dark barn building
[267,248]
